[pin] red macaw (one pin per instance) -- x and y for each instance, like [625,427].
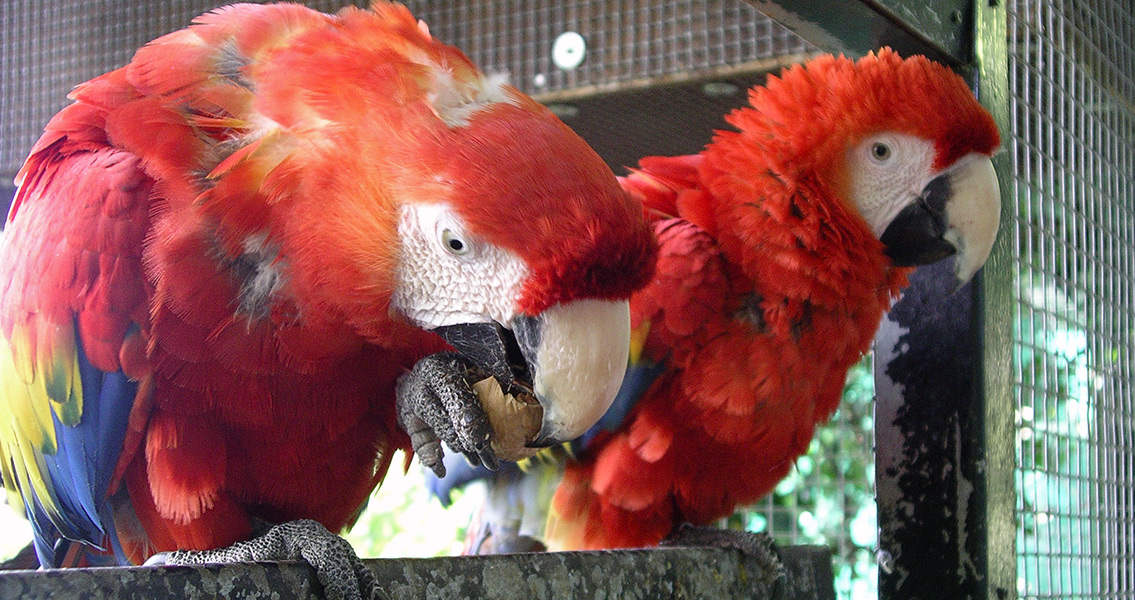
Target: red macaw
[222,256]
[781,246]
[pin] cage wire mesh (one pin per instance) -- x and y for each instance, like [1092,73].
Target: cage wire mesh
[1072,139]
[625,40]
[47,48]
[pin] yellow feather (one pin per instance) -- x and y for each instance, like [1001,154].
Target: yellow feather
[638,340]
[34,477]
[59,367]
[25,400]
[39,373]
[8,473]
[19,344]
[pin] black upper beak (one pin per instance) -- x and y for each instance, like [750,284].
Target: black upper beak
[914,237]
[571,358]
[492,348]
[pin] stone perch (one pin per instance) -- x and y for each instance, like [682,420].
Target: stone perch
[666,573]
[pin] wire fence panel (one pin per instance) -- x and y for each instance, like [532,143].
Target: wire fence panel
[48,47]
[1072,85]
[624,40]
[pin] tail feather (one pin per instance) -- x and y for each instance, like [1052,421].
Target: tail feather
[579,519]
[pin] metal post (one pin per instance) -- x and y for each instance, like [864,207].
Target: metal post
[944,411]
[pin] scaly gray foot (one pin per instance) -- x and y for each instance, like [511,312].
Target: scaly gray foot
[340,571]
[758,545]
[436,403]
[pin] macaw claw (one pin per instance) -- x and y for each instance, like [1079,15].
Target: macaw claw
[340,571]
[436,404]
[758,545]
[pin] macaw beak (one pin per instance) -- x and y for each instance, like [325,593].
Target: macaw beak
[958,212]
[571,357]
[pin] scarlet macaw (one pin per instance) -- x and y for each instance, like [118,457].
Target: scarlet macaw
[781,246]
[222,256]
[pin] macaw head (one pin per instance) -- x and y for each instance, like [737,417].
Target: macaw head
[521,252]
[399,185]
[903,142]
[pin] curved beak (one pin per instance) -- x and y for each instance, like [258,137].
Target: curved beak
[958,212]
[578,354]
[571,357]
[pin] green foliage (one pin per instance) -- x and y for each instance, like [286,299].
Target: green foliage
[403,520]
[15,532]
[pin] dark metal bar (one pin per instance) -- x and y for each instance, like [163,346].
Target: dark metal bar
[944,408]
[938,29]
[991,71]
[634,574]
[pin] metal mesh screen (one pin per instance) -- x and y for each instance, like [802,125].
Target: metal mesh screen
[48,47]
[1072,81]
[626,40]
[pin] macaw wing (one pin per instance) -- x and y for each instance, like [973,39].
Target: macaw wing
[71,345]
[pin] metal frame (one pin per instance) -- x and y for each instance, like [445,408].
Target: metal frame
[939,29]
[994,317]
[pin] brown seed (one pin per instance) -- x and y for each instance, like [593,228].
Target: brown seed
[515,421]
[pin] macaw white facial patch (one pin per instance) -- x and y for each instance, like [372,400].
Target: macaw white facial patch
[448,276]
[888,171]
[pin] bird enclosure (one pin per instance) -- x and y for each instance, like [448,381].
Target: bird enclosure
[988,451]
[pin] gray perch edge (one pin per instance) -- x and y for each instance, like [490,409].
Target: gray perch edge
[670,573]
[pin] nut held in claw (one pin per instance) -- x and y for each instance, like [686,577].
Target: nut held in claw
[515,420]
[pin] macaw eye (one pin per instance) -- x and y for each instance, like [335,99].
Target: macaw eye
[880,152]
[453,243]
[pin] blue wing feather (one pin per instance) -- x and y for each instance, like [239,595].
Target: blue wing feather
[82,468]
[639,377]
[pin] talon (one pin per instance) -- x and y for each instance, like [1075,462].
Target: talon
[472,458]
[436,404]
[343,575]
[435,465]
[488,459]
[157,560]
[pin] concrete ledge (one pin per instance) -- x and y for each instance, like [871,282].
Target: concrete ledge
[669,573]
